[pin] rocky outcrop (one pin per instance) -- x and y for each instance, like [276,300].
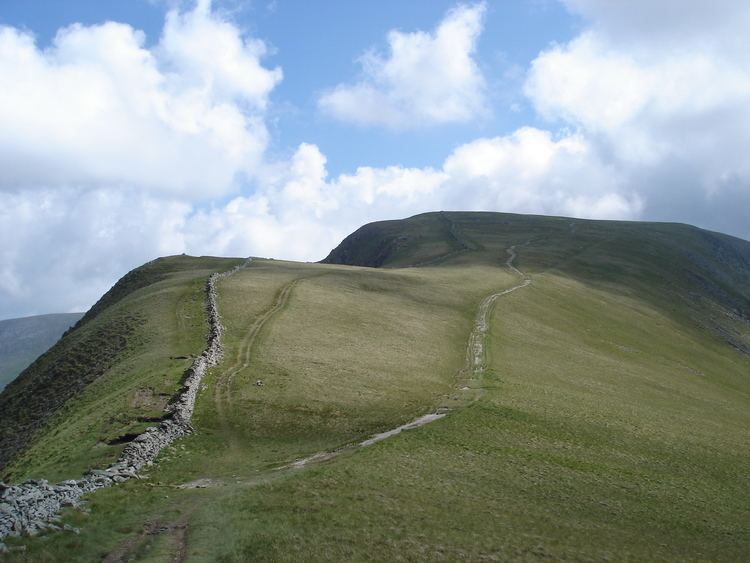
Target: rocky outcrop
[33,506]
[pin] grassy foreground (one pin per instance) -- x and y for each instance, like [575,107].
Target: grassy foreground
[575,452]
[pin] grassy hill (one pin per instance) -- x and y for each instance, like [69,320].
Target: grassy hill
[678,268]
[23,340]
[109,376]
[608,420]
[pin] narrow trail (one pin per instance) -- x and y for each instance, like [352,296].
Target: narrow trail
[470,374]
[223,389]
[469,379]
[475,350]
[175,531]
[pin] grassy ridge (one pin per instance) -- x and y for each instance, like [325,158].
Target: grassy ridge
[606,431]
[335,364]
[110,376]
[351,353]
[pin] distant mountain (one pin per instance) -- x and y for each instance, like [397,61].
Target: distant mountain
[23,340]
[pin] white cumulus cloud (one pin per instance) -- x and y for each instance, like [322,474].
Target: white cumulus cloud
[709,21]
[113,152]
[530,171]
[299,212]
[108,146]
[70,244]
[98,107]
[64,247]
[668,104]
[425,79]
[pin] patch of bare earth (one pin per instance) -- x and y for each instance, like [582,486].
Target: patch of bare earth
[177,532]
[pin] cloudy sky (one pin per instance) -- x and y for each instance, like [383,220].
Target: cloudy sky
[131,130]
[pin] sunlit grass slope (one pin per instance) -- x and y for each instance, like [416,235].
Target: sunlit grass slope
[606,431]
[350,352]
[346,353]
[612,421]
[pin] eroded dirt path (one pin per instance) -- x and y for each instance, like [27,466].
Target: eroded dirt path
[475,364]
[176,532]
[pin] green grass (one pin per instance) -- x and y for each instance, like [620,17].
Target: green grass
[121,366]
[576,452]
[697,277]
[613,422]
[337,363]
[335,367]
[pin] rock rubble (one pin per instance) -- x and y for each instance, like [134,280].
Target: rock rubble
[33,506]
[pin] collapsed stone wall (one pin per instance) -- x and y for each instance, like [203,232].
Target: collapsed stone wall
[34,505]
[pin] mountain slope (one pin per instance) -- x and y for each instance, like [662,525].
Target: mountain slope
[110,375]
[684,270]
[588,384]
[23,340]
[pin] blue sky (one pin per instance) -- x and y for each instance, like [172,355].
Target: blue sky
[301,34]
[515,32]
[131,130]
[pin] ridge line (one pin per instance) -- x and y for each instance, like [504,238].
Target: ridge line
[32,506]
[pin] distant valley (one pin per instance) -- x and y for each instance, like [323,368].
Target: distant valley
[23,340]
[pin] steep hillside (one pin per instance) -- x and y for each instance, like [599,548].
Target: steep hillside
[536,388]
[23,340]
[110,375]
